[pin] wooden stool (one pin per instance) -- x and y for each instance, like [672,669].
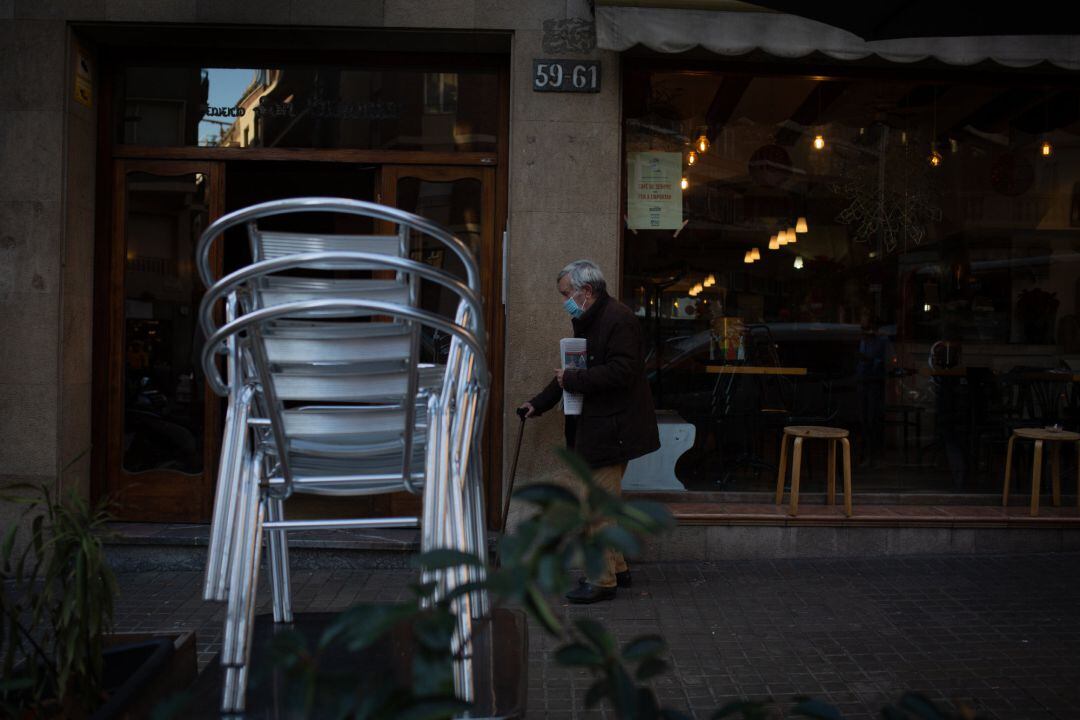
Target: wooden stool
[814,432]
[1041,435]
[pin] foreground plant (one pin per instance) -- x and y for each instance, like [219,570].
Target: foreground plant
[56,604]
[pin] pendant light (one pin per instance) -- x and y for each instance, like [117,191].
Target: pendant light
[691,158]
[774,243]
[798,264]
[684,183]
[747,258]
[791,235]
[755,254]
[801,226]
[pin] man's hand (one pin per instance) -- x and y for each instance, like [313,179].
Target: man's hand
[529,409]
[559,376]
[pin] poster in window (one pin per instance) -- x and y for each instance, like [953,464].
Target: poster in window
[653,193]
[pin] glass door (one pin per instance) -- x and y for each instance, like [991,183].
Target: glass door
[161,420]
[461,199]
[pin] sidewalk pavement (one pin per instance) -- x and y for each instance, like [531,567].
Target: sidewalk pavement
[1001,633]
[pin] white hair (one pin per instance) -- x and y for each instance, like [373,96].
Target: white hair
[582,273]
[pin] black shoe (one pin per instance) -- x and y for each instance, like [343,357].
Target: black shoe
[622,579]
[586,593]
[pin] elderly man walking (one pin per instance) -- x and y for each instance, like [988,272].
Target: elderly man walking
[617,421]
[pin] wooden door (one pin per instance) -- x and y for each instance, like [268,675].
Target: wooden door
[161,424]
[461,199]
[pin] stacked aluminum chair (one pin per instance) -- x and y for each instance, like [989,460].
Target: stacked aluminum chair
[327,395]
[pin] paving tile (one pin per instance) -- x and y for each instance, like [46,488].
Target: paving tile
[998,632]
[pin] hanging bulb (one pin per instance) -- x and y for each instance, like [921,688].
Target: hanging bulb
[702,143]
[798,262]
[1047,149]
[755,254]
[691,158]
[684,183]
[791,235]
[935,156]
[747,259]
[801,226]
[774,243]
[819,142]
[781,238]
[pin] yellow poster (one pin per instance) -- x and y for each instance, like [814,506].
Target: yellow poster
[653,193]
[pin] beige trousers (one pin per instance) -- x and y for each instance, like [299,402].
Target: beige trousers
[610,478]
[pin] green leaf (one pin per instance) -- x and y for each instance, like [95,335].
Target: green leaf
[595,564]
[650,668]
[434,710]
[620,539]
[813,708]
[542,611]
[597,691]
[643,647]
[445,558]
[578,655]
[543,494]
[597,635]
[549,573]
[649,514]
[921,706]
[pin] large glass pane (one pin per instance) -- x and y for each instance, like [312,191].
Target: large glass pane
[456,205]
[309,107]
[163,382]
[893,257]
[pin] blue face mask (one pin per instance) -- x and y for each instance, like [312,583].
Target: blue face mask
[572,307]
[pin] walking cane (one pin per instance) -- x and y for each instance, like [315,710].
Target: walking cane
[513,473]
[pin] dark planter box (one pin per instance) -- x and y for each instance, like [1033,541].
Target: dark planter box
[142,669]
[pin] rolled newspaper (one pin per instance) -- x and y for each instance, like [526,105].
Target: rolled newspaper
[573,358]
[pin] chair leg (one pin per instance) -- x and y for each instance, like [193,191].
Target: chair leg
[846,444]
[1008,471]
[1036,477]
[796,467]
[240,612]
[781,475]
[278,551]
[1055,472]
[832,472]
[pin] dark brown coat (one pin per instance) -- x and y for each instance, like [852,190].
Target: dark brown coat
[617,422]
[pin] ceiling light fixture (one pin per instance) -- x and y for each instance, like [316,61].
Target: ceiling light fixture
[801,226]
[774,243]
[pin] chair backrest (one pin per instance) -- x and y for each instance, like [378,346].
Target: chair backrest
[360,353]
[269,245]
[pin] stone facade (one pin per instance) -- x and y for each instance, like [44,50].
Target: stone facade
[563,201]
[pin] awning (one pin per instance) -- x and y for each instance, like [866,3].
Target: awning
[733,32]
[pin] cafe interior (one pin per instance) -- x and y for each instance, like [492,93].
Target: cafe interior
[891,254]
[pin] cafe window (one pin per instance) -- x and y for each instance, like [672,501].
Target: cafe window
[895,257]
[308,107]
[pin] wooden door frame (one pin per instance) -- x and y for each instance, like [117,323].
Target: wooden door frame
[189,497]
[491,277]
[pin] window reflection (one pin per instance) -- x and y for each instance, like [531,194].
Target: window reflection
[163,386]
[896,258]
[310,107]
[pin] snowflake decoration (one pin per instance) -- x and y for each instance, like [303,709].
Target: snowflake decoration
[892,192]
